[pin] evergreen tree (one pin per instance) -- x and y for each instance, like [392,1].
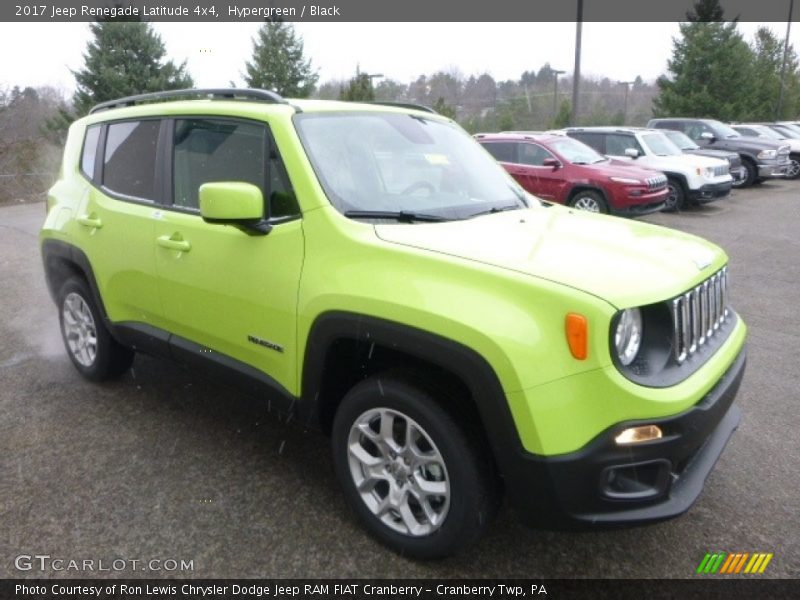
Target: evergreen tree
[358,89]
[123,59]
[278,63]
[768,51]
[444,109]
[711,72]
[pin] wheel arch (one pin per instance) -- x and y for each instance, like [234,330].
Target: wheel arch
[344,348]
[62,261]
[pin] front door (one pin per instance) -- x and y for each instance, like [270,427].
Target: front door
[231,292]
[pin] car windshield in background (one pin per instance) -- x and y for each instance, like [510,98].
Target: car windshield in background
[576,152]
[723,131]
[660,145]
[376,165]
[681,140]
[770,133]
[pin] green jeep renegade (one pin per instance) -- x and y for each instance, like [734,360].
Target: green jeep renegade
[372,271]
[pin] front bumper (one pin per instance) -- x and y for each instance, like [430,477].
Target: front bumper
[773,170]
[711,192]
[608,484]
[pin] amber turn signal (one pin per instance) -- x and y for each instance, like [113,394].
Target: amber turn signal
[577,330]
[643,433]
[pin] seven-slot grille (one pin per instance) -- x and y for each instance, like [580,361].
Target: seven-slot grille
[721,171]
[698,314]
[656,183]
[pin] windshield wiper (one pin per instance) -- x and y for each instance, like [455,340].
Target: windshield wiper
[495,209]
[403,216]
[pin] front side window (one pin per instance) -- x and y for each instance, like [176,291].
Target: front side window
[616,144]
[576,152]
[393,162]
[533,154]
[660,145]
[207,150]
[130,159]
[90,150]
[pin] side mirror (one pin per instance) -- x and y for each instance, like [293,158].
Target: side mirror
[632,152]
[234,203]
[551,162]
[707,136]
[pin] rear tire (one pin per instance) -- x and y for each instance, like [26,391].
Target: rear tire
[419,479]
[589,201]
[89,345]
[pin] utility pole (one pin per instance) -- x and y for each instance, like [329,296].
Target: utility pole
[783,68]
[576,75]
[556,73]
[627,85]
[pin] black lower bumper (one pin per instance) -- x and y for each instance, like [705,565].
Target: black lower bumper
[710,192]
[608,484]
[637,210]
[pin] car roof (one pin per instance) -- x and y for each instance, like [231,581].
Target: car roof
[517,136]
[613,129]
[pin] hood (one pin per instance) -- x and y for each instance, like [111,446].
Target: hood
[621,261]
[751,143]
[721,154]
[618,168]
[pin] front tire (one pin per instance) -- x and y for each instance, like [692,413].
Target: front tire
[89,345]
[590,201]
[794,167]
[750,173]
[676,198]
[420,481]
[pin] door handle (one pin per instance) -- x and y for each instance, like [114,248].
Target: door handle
[174,242]
[90,221]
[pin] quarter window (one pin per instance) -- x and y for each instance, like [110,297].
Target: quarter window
[90,150]
[130,158]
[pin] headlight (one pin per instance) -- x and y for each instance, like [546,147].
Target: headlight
[628,336]
[626,180]
[705,172]
[767,154]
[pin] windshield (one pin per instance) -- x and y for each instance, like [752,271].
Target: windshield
[788,130]
[681,140]
[372,162]
[768,132]
[576,152]
[660,145]
[723,131]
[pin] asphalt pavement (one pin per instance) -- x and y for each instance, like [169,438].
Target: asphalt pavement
[164,465]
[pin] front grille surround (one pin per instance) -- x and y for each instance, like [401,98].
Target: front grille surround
[698,314]
[721,170]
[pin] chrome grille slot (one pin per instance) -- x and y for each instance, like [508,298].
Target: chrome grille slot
[698,314]
[721,171]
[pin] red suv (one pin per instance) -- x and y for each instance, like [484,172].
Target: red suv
[561,169]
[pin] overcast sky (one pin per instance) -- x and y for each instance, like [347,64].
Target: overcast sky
[37,54]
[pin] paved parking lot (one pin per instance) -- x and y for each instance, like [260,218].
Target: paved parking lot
[165,465]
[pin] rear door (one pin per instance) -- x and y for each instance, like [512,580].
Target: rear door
[116,217]
[226,293]
[507,154]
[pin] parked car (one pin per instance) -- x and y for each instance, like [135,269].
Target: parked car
[690,179]
[371,271]
[687,146]
[560,169]
[769,133]
[761,158]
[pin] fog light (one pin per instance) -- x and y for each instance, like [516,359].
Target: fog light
[643,433]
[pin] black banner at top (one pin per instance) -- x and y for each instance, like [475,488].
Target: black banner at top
[382,10]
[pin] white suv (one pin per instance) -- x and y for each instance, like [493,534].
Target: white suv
[691,178]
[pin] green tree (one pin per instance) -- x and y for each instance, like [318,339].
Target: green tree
[278,62]
[444,109]
[564,114]
[711,72]
[358,89]
[768,51]
[124,58]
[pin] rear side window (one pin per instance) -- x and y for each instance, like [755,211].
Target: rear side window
[90,150]
[130,159]
[209,150]
[502,151]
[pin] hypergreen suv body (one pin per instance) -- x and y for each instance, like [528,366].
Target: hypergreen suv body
[372,271]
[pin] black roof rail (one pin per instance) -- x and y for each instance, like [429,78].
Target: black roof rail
[421,107]
[213,93]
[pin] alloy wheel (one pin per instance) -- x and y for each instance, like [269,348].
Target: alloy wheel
[587,203]
[80,331]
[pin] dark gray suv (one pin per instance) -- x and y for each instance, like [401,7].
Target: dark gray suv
[761,158]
